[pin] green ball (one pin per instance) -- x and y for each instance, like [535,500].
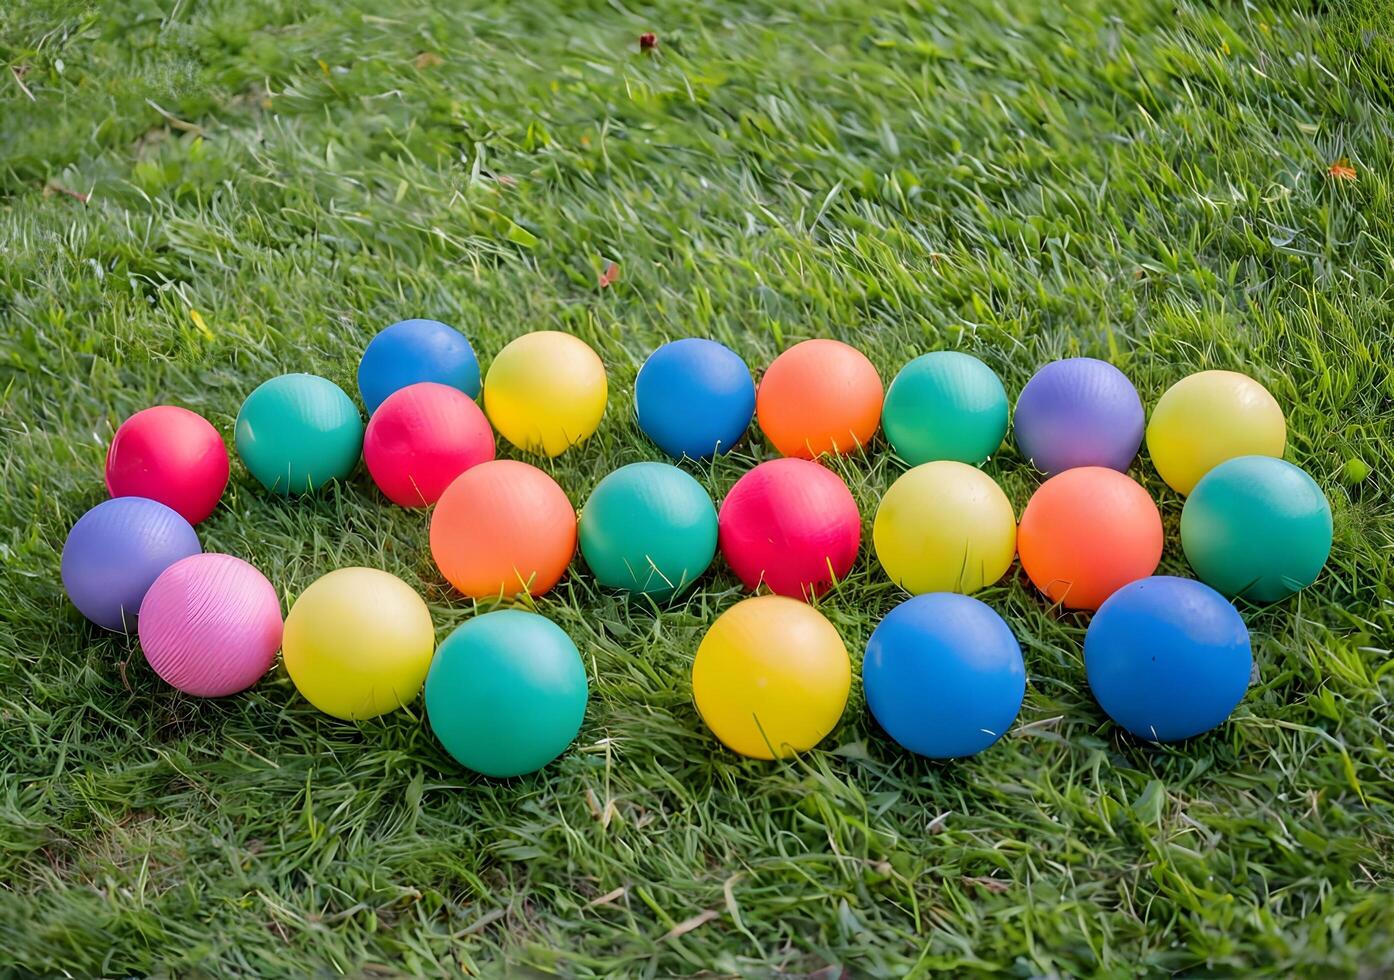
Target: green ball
[945,405]
[506,693]
[1256,527]
[648,528]
[297,432]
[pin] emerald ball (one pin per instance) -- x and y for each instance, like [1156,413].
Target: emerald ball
[945,405]
[297,432]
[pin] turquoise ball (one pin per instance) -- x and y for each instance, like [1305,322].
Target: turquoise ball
[297,432]
[945,405]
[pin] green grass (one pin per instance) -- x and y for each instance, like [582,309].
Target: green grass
[271,182]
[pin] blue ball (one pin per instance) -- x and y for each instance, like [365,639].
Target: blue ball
[944,675]
[694,398]
[411,351]
[1167,658]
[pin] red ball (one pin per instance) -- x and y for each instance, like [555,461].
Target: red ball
[792,524]
[172,455]
[421,438]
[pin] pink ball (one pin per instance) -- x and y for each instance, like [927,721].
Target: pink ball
[210,625]
[421,438]
[172,455]
[792,524]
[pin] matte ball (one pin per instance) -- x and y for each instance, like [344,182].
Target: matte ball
[297,432]
[1210,417]
[1167,658]
[771,677]
[171,455]
[1087,533]
[506,693]
[545,392]
[945,527]
[945,405]
[421,438]
[694,398]
[820,396]
[1258,528]
[944,675]
[115,552]
[791,524]
[648,528]
[411,351]
[358,643]
[1078,412]
[210,625]
[502,529]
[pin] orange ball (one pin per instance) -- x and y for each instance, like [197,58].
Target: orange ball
[1086,533]
[503,528]
[820,396]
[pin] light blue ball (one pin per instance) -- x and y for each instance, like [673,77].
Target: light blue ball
[694,398]
[411,351]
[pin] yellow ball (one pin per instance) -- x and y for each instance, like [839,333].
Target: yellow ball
[1207,418]
[944,527]
[771,677]
[358,643]
[545,392]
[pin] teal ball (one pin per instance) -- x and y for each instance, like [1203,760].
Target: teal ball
[945,405]
[297,432]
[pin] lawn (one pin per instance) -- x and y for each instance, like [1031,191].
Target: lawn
[197,196]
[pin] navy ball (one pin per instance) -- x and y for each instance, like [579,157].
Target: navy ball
[411,351]
[1078,412]
[694,398]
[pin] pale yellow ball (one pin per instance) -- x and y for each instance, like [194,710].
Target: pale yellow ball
[545,392]
[1207,418]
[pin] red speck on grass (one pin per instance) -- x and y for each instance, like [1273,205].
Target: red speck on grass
[648,41]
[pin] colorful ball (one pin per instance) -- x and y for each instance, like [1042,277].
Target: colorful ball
[503,528]
[115,552]
[945,405]
[545,392]
[1078,412]
[820,396]
[421,438]
[358,643]
[411,351]
[791,524]
[944,675]
[771,677]
[1167,658]
[171,455]
[1258,528]
[210,625]
[506,693]
[297,432]
[648,528]
[694,398]
[1207,418]
[1087,533]
[945,527]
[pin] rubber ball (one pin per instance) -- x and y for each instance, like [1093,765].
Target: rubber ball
[171,455]
[411,351]
[421,438]
[1078,412]
[1207,418]
[694,398]
[819,396]
[297,432]
[945,405]
[545,392]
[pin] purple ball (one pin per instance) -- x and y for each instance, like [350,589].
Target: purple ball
[1078,412]
[116,551]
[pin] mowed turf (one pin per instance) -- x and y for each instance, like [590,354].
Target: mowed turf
[273,181]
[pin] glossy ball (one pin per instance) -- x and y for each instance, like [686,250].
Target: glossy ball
[944,675]
[171,455]
[945,405]
[297,432]
[545,392]
[771,677]
[411,351]
[1078,412]
[1258,528]
[820,396]
[694,398]
[1210,417]
[506,693]
[421,438]
[1167,658]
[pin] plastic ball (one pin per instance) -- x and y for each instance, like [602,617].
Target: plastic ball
[820,396]
[944,675]
[421,438]
[945,405]
[172,455]
[503,528]
[297,432]
[1258,528]
[1087,533]
[771,677]
[694,398]
[1078,412]
[648,528]
[945,527]
[545,392]
[210,625]
[358,643]
[1210,417]
[115,552]
[791,524]
[1167,658]
[411,351]
[506,693]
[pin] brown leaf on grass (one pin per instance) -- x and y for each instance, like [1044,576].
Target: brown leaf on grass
[648,41]
[428,59]
[994,885]
[611,273]
[687,925]
[608,897]
[53,187]
[1341,170]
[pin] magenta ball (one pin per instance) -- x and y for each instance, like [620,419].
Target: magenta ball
[172,455]
[421,438]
